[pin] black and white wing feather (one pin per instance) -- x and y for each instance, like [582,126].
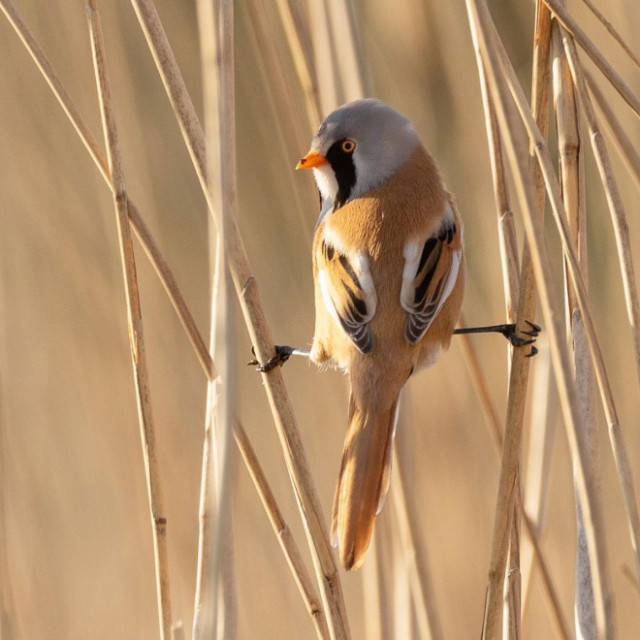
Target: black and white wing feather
[348,292]
[430,273]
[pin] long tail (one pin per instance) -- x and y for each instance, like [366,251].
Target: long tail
[363,481]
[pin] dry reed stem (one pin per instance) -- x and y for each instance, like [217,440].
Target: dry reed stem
[339,61]
[499,72]
[246,288]
[205,513]
[145,236]
[530,529]
[302,59]
[420,580]
[612,193]
[617,442]
[283,533]
[542,428]
[506,226]
[279,87]
[345,41]
[383,612]
[626,148]
[510,272]
[564,17]
[633,307]
[570,158]
[371,596]
[139,226]
[216,34]
[553,191]
[512,447]
[570,155]
[134,321]
[613,32]
[203,616]
[513,601]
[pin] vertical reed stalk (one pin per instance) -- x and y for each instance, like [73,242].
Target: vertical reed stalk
[519,372]
[247,291]
[496,63]
[301,55]
[612,193]
[572,184]
[283,533]
[216,30]
[134,321]
[415,557]
[373,580]
[530,529]
[564,17]
[164,273]
[560,218]
[631,294]
[542,430]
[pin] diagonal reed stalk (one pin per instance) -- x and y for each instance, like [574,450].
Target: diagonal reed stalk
[134,321]
[624,145]
[283,533]
[612,193]
[530,530]
[624,252]
[414,557]
[613,32]
[553,191]
[173,292]
[563,16]
[247,291]
[503,83]
[137,222]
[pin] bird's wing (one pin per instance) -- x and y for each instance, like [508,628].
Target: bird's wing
[348,291]
[430,272]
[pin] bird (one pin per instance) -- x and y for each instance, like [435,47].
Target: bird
[389,278]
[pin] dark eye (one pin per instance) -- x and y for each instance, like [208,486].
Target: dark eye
[348,146]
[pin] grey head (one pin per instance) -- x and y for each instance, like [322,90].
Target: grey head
[357,147]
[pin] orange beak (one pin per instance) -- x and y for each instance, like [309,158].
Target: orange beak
[312,159]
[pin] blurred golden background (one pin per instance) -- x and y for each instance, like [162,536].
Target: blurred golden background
[76,542]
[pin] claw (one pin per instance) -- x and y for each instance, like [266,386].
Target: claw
[281,356]
[509,333]
[535,329]
[532,353]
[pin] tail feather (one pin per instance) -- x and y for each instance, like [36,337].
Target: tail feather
[363,481]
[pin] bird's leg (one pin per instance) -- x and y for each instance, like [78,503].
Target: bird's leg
[509,332]
[283,353]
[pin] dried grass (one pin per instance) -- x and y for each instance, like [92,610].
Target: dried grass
[324,58]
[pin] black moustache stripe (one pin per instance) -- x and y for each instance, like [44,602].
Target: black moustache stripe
[345,171]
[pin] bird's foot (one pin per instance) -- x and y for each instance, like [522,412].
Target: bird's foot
[283,353]
[509,332]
